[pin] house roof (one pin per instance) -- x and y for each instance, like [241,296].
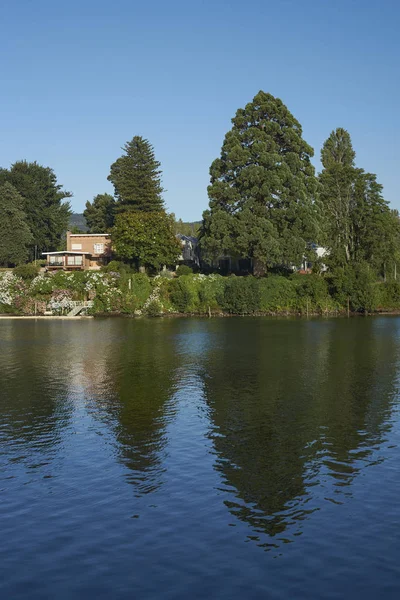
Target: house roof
[89,235]
[64,252]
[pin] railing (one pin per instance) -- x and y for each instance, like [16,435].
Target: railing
[58,263]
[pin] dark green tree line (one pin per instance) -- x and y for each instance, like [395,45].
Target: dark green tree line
[44,203]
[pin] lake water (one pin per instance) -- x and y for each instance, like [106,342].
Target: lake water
[194,458]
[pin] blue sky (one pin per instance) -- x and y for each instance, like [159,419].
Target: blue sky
[79,79]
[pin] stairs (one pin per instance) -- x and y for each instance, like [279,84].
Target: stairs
[79,307]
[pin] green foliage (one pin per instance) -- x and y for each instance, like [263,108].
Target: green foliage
[357,222]
[43,203]
[146,238]
[262,188]
[15,234]
[241,295]
[189,229]
[183,270]
[136,178]
[278,294]
[28,271]
[312,293]
[355,284]
[154,309]
[141,288]
[99,214]
[117,266]
[182,294]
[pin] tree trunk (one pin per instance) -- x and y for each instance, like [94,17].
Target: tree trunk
[259,268]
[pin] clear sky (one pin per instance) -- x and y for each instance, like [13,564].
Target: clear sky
[80,78]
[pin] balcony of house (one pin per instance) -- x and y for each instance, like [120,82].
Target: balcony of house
[67,261]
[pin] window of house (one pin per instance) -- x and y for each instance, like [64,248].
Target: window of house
[74,260]
[98,248]
[76,246]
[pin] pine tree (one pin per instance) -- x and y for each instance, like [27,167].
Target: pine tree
[99,214]
[358,223]
[15,234]
[43,203]
[262,188]
[136,177]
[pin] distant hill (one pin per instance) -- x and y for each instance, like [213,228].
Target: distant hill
[78,220]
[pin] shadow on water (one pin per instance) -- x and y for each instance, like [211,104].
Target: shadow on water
[298,410]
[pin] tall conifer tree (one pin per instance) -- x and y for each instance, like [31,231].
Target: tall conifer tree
[136,177]
[262,188]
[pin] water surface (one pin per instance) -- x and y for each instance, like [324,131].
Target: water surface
[221,458]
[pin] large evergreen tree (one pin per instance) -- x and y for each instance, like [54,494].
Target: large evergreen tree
[136,178]
[43,203]
[15,234]
[99,214]
[262,188]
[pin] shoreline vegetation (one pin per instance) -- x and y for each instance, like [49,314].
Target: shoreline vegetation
[122,293]
[276,239]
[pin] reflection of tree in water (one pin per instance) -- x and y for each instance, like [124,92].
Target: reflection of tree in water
[133,381]
[34,407]
[297,407]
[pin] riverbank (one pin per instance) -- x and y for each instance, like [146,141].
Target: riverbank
[135,295]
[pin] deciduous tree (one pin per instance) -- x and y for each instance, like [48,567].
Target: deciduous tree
[146,238]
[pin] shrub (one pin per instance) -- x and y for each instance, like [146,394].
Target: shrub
[117,266]
[27,272]
[357,284]
[154,309]
[388,294]
[278,294]
[183,270]
[181,293]
[312,291]
[241,295]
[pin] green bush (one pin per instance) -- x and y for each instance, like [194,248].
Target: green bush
[312,292]
[117,266]
[182,294]
[154,309]
[278,294]
[183,270]
[241,295]
[388,295]
[28,271]
[355,284]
